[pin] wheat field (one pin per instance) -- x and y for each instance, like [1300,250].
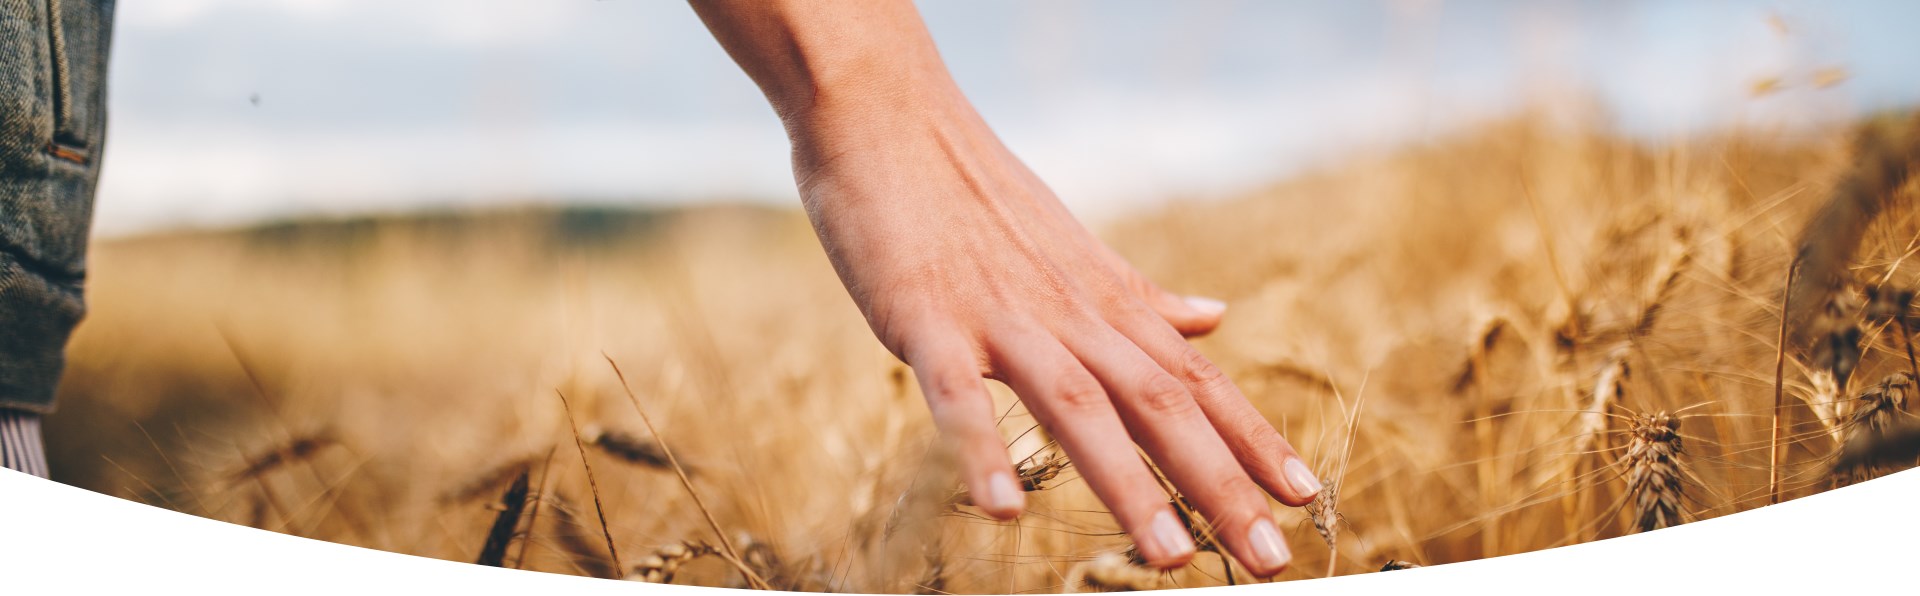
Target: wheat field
[1526,335]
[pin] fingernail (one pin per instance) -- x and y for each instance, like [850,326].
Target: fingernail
[1302,479]
[1268,549]
[1171,536]
[1004,494]
[1206,305]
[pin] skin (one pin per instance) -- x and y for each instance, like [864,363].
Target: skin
[967,266]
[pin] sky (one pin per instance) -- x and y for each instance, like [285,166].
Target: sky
[227,112]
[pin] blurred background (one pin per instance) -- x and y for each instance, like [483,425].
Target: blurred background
[350,254]
[231,111]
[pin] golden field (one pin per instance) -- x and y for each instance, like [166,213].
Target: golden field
[1470,337]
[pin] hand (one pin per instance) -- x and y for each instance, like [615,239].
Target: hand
[966,266]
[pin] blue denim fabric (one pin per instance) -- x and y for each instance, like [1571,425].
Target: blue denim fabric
[53,66]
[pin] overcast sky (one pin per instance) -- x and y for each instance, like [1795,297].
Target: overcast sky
[378,105]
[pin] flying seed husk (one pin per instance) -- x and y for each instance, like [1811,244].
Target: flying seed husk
[1396,565]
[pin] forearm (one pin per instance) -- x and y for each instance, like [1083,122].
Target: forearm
[818,60]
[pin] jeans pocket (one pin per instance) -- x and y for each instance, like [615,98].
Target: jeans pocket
[69,140]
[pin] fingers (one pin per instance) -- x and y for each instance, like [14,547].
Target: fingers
[1190,315]
[1165,420]
[1075,409]
[1266,456]
[949,376]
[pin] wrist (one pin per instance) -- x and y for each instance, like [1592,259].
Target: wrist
[867,97]
[886,116]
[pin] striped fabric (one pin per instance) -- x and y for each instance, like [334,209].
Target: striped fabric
[20,447]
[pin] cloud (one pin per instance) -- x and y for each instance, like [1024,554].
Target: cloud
[371,105]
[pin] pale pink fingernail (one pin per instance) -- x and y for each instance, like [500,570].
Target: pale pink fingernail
[1171,536]
[1003,494]
[1301,478]
[1206,305]
[1269,551]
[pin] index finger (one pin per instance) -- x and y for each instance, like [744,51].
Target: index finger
[1261,450]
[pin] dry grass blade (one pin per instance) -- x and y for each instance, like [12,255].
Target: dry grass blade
[733,556]
[571,534]
[512,504]
[593,485]
[1779,382]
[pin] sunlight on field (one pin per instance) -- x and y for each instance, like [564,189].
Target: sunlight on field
[1472,338]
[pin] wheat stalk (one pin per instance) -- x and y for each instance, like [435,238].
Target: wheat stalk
[486,482]
[629,448]
[1654,472]
[660,566]
[593,486]
[733,555]
[1110,572]
[512,504]
[1033,475]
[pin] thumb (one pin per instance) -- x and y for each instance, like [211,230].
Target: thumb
[1190,315]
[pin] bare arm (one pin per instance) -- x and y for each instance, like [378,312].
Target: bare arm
[967,266]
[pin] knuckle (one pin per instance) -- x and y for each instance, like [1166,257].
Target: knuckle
[1262,448]
[1236,499]
[949,387]
[1081,392]
[1163,395]
[1196,370]
[1236,489]
[1139,284]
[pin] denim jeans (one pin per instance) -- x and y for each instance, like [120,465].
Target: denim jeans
[53,66]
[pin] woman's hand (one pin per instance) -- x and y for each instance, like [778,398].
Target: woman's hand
[966,266]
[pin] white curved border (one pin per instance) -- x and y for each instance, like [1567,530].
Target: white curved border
[60,539]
